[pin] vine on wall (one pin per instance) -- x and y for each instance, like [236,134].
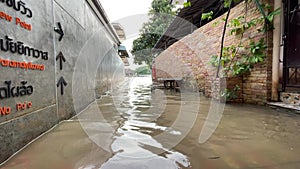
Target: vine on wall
[238,60]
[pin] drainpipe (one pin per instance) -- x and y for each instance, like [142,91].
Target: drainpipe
[276,53]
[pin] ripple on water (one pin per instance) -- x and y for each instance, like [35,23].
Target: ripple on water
[134,147]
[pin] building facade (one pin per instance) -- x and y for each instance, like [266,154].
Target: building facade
[55,55]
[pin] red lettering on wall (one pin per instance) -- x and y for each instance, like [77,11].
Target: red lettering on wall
[29,105]
[23,106]
[21,65]
[5,16]
[19,22]
[5,111]
[23,24]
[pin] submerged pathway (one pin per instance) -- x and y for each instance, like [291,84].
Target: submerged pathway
[133,128]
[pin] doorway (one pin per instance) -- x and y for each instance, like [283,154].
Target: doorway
[291,61]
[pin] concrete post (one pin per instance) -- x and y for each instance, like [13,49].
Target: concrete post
[276,53]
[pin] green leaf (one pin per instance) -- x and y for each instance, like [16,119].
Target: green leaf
[216,23]
[187,4]
[160,15]
[207,15]
[270,17]
[260,8]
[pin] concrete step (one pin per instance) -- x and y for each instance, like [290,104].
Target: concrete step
[293,107]
[288,100]
[292,98]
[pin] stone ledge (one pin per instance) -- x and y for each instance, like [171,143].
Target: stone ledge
[290,98]
[293,107]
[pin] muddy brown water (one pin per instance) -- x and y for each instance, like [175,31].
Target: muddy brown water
[136,128]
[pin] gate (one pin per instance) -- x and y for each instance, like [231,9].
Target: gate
[291,61]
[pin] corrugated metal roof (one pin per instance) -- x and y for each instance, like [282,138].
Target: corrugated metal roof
[188,20]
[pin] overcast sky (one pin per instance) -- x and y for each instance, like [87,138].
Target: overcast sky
[118,9]
[131,14]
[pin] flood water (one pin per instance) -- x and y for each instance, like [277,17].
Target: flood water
[135,127]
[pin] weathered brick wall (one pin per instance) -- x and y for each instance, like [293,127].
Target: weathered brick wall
[193,53]
[180,61]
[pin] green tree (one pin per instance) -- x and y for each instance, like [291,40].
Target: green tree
[160,15]
[144,70]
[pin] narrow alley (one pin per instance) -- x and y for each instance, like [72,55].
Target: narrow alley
[152,84]
[122,130]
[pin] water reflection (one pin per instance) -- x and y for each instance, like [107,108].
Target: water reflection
[124,134]
[133,145]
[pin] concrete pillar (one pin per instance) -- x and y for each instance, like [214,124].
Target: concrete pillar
[276,52]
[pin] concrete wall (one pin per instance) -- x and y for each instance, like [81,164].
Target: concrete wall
[31,102]
[193,53]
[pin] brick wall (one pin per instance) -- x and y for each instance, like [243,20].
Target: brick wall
[190,58]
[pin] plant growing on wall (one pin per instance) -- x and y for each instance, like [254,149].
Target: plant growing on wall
[238,65]
[254,51]
[230,94]
[238,60]
[235,62]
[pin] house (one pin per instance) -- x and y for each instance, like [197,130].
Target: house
[123,54]
[121,48]
[120,31]
[192,43]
